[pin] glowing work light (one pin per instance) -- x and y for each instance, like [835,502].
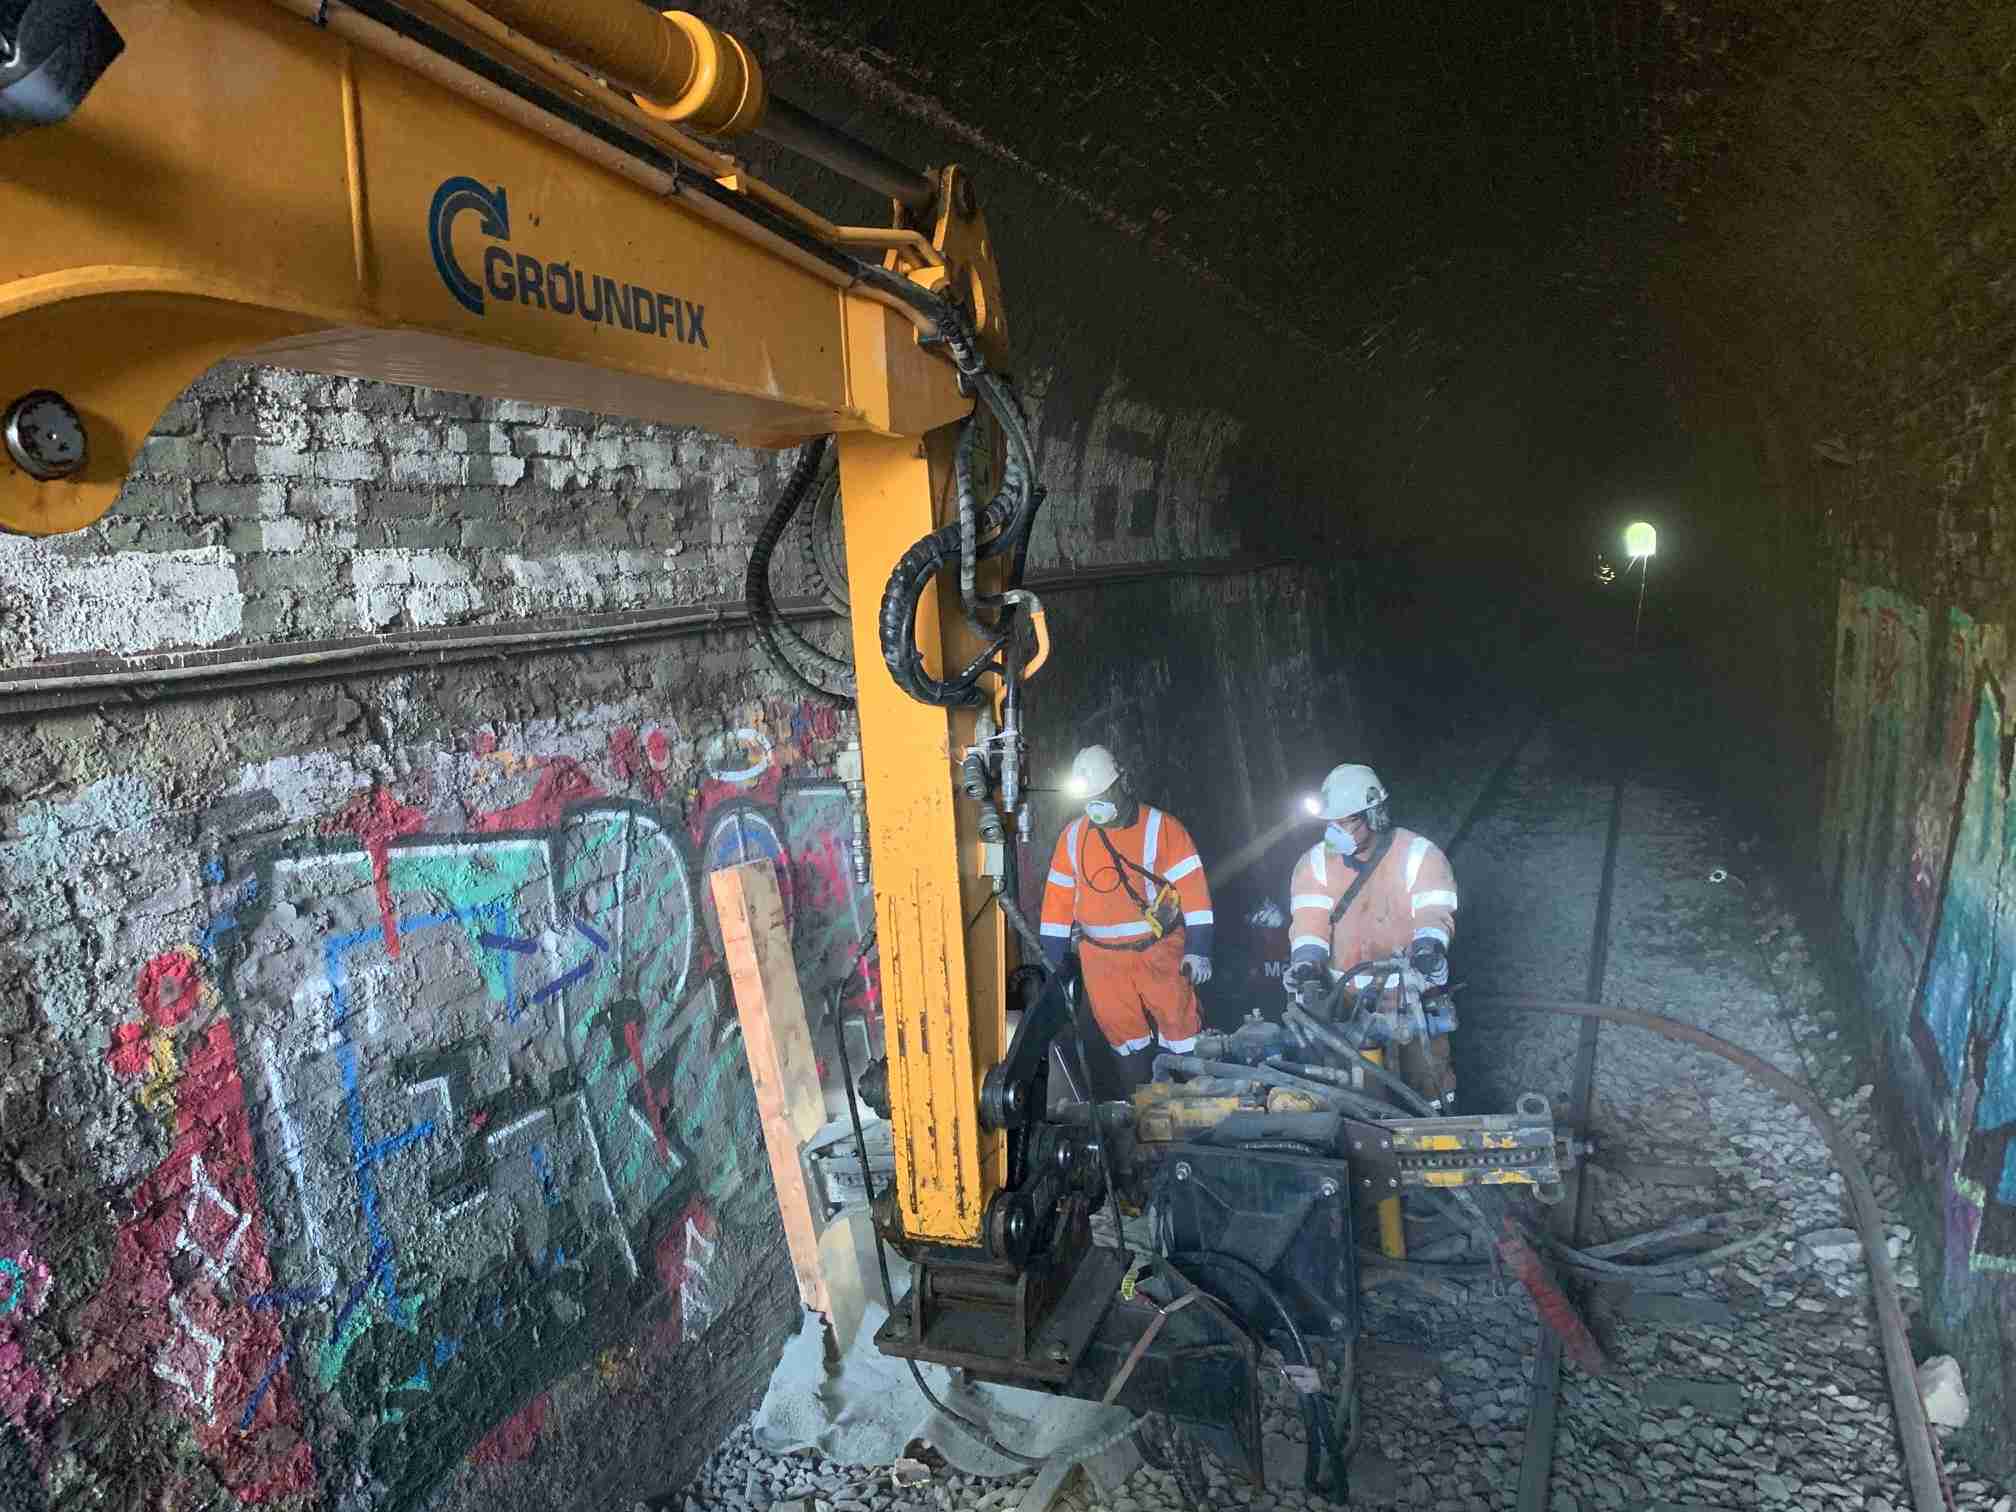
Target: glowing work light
[1077,787]
[1640,540]
[1314,805]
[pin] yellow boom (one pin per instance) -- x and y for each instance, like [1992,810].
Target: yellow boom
[418,192]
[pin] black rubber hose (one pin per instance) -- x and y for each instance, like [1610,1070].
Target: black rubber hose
[1003,525]
[771,630]
[897,625]
[1336,1044]
[1318,1428]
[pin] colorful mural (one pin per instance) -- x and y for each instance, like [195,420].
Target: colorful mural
[450,1115]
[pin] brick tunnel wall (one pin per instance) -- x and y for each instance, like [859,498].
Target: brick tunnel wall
[376,1130]
[376,1100]
[1837,290]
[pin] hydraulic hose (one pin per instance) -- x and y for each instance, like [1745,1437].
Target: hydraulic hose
[1318,1425]
[1002,525]
[1921,1452]
[1331,1040]
[1019,922]
[833,681]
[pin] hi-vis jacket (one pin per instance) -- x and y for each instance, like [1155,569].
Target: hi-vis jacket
[1087,889]
[1410,895]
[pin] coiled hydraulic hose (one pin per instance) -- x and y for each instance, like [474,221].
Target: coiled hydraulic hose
[831,678]
[1002,525]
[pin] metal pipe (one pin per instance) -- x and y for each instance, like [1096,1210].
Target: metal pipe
[678,67]
[847,155]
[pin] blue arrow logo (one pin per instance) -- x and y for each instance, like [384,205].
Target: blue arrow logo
[450,200]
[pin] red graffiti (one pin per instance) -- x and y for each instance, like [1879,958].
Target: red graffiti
[170,988]
[645,763]
[377,819]
[516,1437]
[174,1306]
[713,792]
[562,780]
[633,1039]
[129,1054]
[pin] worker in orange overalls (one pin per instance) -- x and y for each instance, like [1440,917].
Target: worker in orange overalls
[1127,882]
[1368,891]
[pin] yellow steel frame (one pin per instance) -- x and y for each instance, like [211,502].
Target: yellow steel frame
[246,183]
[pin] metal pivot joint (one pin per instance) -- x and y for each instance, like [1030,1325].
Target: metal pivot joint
[45,436]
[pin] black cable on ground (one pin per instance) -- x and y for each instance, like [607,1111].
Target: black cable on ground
[980,1431]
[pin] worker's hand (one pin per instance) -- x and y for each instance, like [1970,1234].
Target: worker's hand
[1197,968]
[1304,974]
[1429,958]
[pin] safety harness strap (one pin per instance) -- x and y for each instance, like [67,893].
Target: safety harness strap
[1365,869]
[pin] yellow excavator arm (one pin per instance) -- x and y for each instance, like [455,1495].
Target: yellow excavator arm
[503,198]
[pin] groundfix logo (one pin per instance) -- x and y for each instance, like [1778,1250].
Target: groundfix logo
[558,288]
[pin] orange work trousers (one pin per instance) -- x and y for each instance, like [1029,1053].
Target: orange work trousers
[1140,996]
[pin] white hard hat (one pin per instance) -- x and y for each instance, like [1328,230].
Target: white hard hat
[1351,790]
[1093,771]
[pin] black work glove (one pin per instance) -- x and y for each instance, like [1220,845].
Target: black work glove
[1303,974]
[1428,957]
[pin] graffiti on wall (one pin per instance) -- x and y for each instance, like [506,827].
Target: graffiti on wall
[450,1116]
[1920,832]
[1962,1030]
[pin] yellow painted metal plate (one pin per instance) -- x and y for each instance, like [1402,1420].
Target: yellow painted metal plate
[243,183]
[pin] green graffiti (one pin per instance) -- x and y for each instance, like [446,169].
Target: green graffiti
[330,1358]
[479,881]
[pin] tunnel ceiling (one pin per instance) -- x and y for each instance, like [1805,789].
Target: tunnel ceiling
[1339,171]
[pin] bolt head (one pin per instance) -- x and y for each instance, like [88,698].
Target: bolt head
[45,436]
[1182,1170]
[1328,1189]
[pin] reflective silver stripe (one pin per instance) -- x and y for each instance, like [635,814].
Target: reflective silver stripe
[1116,931]
[1057,931]
[1200,916]
[1317,940]
[1183,869]
[1128,1047]
[1071,841]
[1441,896]
[1180,1047]
[1153,839]
[1063,879]
[1316,864]
[1312,900]
[1430,932]
[1417,852]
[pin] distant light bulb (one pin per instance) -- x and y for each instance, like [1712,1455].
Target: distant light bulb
[1640,540]
[1314,806]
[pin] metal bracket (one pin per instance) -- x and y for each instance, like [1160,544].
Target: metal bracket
[1491,1149]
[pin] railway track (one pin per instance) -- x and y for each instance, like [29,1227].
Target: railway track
[1584,869]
